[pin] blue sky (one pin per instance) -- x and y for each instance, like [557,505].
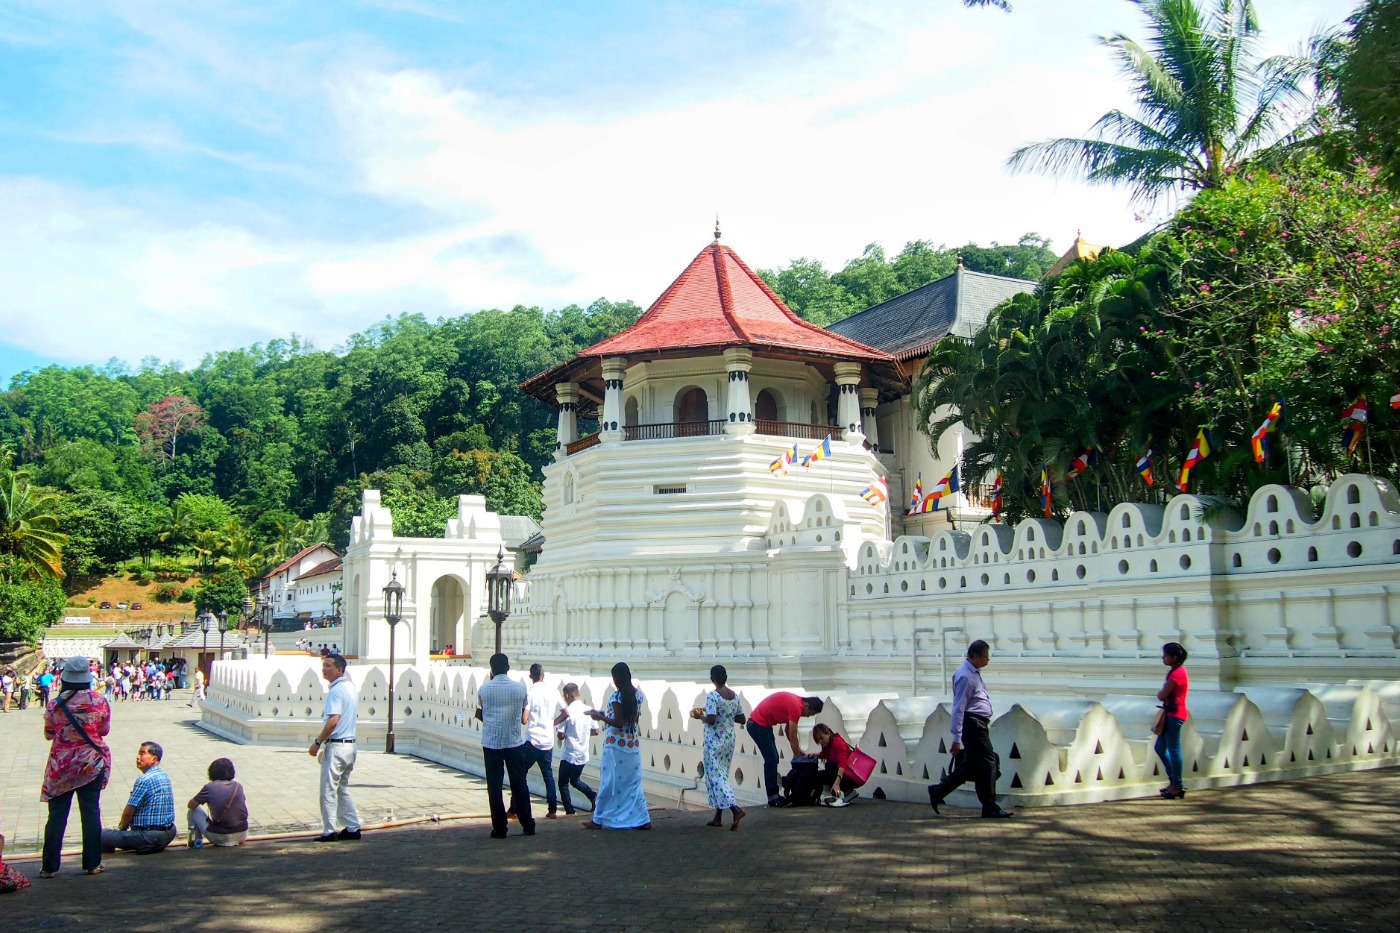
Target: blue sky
[181,178]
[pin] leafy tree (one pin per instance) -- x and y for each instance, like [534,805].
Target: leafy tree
[159,426]
[1205,104]
[222,592]
[1369,83]
[28,604]
[502,478]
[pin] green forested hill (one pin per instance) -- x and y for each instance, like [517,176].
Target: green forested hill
[254,452]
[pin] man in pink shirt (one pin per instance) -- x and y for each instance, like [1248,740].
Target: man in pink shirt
[778,709]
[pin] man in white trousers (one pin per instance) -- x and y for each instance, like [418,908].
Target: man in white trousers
[336,747]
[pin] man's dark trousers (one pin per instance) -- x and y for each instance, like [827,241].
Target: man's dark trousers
[500,762]
[977,763]
[767,747]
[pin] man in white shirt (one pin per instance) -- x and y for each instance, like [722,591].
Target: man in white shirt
[336,746]
[501,709]
[575,725]
[541,709]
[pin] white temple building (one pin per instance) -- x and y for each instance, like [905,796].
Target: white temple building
[677,537]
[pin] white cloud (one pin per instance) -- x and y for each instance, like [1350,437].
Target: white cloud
[885,132]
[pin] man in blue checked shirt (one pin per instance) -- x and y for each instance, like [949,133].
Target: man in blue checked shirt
[973,757]
[148,820]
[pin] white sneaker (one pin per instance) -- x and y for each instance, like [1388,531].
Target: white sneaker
[837,802]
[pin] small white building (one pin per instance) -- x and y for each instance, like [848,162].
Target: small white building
[305,587]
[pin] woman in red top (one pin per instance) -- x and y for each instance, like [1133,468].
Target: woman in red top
[79,764]
[1173,697]
[837,755]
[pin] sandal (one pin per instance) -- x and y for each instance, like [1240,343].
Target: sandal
[94,871]
[715,822]
[48,874]
[589,824]
[737,817]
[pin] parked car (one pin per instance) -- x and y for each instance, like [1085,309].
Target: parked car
[106,604]
[135,606]
[121,605]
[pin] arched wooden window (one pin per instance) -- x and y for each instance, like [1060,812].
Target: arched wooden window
[765,407]
[630,417]
[692,413]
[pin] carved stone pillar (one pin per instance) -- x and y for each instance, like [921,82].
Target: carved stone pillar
[610,426]
[738,361]
[567,395]
[869,398]
[848,401]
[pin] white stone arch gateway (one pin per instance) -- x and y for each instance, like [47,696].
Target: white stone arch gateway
[444,580]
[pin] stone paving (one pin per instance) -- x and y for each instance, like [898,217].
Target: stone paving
[282,783]
[1321,854]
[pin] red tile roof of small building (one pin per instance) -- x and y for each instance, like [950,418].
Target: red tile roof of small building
[286,564]
[719,302]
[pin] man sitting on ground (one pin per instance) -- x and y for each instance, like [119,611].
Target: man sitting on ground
[148,821]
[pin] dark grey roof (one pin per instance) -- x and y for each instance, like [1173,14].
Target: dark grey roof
[909,324]
[517,529]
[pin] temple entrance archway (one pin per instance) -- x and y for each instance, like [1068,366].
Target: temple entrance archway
[445,615]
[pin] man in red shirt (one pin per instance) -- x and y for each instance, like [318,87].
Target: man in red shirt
[778,709]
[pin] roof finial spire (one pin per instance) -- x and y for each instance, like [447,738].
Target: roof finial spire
[960,260]
[716,228]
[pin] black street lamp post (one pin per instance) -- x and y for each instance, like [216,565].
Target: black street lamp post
[265,606]
[223,627]
[393,614]
[499,580]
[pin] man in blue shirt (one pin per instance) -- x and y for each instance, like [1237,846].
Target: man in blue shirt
[148,821]
[335,746]
[502,708]
[972,736]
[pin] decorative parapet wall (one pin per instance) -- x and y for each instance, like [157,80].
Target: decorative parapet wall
[1271,595]
[1053,750]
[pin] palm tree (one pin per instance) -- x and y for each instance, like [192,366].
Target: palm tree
[1205,103]
[29,523]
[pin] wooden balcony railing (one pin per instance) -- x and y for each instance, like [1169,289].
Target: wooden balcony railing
[670,430]
[799,429]
[583,443]
[979,496]
[665,432]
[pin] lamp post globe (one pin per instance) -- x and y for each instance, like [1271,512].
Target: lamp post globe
[393,613]
[499,581]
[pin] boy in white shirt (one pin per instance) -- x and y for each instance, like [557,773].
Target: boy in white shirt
[574,727]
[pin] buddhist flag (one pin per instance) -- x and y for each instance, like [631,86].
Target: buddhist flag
[1081,463]
[1356,414]
[1199,451]
[946,486]
[821,453]
[1144,467]
[1259,439]
[1047,503]
[917,498]
[996,496]
[877,492]
[780,466]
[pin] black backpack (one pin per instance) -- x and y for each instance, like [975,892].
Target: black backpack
[802,785]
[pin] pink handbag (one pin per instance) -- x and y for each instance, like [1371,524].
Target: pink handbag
[860,766]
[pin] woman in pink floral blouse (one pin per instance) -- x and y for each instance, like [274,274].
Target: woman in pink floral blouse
[79,763]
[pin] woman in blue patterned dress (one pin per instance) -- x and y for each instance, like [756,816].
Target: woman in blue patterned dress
[723,709]
[621,804]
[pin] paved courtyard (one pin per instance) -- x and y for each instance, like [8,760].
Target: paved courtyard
[281,782]
[1321,854]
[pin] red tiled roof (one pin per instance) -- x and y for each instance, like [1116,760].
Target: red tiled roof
[294,559]
[330,566]
[718,301]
